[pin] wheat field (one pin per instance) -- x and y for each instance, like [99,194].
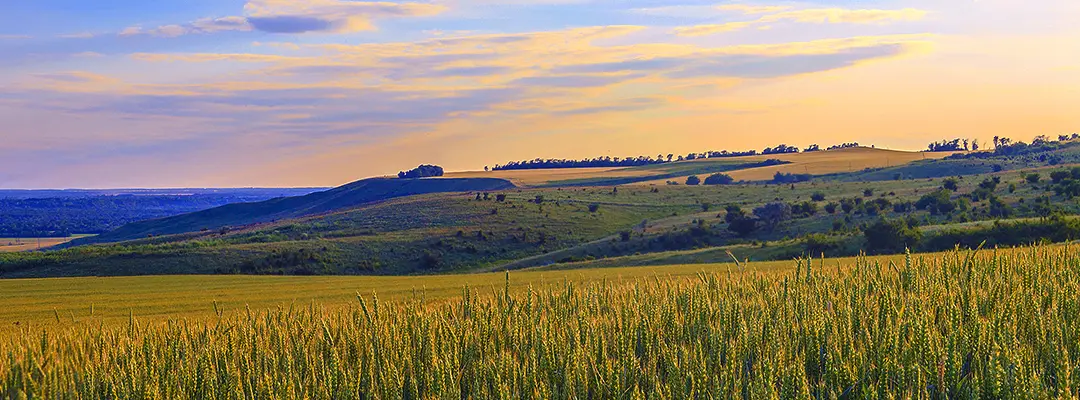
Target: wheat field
[958,325]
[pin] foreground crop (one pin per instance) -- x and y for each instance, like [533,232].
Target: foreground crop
[964,325]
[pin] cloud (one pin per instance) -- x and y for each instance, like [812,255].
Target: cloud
[15,37]
[749,9]
[753,66]
[300,16]
[200,26]
[294,16]
[572,81]
[809,16]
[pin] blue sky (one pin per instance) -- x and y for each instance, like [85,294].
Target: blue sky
[321,92]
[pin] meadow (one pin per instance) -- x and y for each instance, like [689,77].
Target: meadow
[968,324]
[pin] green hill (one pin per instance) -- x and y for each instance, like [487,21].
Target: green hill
[350,195]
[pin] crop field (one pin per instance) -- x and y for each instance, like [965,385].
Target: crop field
[29,244]
[817,163]
[987,324]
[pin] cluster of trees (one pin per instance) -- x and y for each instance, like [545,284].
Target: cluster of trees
[714,179]
[605,161]
[781,177]
[1066,183]
[780,149]
[423,171]
[954,145]
[843,146]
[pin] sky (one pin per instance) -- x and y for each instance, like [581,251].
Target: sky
[240,93]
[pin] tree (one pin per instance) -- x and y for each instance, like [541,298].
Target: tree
[831,208]
[773,214]
[848,205]
[423,171]
[693,180]
[1033,178]
[868,192]
[974,144]
[719,179]
[1058,176]
[594,207]
[891,236]
[817,196]
[805,209]
[950,184]
[733,212]
[938,202]
[743,226]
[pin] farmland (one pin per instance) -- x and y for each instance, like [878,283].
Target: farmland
[28,244]
[966,324]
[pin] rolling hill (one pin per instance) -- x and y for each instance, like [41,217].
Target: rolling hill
[350,195]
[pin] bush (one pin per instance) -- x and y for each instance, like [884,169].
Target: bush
[817,196]
[818,244]
[868,193]
[594,207]
[733,212]
[693,180]
[938,202]
[831,208]
[719,179]
[1033,178]
[1058,176]
[743,226]
[773,214]
[805,209]
[950,184]
[890,237]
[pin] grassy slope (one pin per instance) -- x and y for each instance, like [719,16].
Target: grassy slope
[419,234]
[351,195]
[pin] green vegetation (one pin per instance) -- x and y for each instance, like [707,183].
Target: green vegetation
[959,325]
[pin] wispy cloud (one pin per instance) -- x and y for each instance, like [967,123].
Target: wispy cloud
[292,16]
[809,16]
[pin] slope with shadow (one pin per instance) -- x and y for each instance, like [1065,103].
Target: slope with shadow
[350,195]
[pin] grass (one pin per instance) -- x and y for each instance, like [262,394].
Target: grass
[957,325]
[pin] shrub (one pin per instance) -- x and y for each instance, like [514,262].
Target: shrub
[868,192]
[719,179]
[831,208]
[1033,178]
[773,214]
[733,212]
[950,184]
[594,207]
[817,196]
[743,226]
[890,236]
[804,210]
[1058,176]
[818,244]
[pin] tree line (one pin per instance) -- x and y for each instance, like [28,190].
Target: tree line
[608,161]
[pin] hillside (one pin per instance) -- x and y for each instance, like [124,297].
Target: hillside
[434,226]
[350,195]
